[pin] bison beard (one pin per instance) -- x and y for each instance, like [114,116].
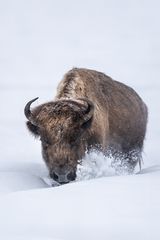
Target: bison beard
[90,111]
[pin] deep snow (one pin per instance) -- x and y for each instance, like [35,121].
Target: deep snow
[106,208]
[40,41]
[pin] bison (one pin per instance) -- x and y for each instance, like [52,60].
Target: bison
[90,111]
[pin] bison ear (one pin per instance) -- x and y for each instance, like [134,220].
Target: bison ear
[32,128]
[88,111]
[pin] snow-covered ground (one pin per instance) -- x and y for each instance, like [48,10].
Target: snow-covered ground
[40,41]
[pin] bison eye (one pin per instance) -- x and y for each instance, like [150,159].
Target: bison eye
[87,124]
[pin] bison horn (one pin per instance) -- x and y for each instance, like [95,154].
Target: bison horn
[89,109]
[27,110]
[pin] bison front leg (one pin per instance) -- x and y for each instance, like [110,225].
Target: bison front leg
[125,163]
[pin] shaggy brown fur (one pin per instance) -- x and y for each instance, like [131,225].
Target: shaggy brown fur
[90,110]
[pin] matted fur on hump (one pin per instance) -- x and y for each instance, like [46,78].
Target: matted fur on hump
[71,86]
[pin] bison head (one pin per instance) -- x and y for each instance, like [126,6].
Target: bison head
[62,127]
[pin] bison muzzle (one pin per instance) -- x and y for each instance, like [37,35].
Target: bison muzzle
[90,111]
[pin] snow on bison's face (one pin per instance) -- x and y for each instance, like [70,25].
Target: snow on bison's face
[62,127]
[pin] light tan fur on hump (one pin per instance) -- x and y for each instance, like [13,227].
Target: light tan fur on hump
[71,86]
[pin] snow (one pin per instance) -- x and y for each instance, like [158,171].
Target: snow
[40,41]
[123,207]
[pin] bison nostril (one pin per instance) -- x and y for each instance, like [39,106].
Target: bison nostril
[71,176]
[54,176]
[63,178]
